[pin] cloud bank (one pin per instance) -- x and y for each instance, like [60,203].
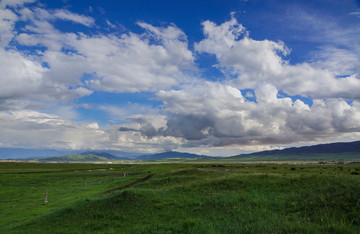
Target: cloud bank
[261,100]
[65,66]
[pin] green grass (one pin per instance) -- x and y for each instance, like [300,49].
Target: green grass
[180,198]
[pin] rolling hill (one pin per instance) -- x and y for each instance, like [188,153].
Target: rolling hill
[83,157]
[332,151]
[101,154]
[94,156]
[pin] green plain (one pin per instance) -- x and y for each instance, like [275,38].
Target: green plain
[179,198]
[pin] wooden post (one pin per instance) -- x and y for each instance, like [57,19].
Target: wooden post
[46,194]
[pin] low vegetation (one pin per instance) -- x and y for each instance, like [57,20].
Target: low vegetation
[179,198]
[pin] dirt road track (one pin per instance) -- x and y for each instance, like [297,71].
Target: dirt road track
[129,185]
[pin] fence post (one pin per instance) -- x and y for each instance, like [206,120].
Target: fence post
[46,194]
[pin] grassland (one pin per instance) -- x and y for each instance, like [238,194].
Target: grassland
[179,198]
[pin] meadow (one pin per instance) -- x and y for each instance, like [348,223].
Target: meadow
[202,197]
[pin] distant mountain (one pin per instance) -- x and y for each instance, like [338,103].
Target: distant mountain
[328,151]
[95,156]
[21,153]
[83,157]
[116,153]
[332,148]
[170,154]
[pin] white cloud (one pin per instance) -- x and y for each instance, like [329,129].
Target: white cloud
[20,76]
[125,63]
[7,22]
[76,18]
[130,63]
[64,68]
[336,40]
[111,25]
[24,78]
[254,63]
[63,111]
[113,63]
[217,115]
[58,14]
[93,125]
[24,128]
[223,121]
[130,109]
[197,113]
[174,42]
[14,3]
[39,32]
[355,13]
[338,61]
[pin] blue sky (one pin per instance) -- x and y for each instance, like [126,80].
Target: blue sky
[214,77]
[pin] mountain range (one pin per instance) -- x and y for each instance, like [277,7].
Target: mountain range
[93,156]
[331,148]
[328,151]
[22,153]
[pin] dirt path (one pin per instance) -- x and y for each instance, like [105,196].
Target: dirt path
[129,185]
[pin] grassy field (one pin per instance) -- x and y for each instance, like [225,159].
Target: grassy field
[179,198]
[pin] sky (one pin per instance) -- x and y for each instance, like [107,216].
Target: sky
[208,77]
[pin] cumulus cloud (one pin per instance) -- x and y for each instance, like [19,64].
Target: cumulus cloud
[40,130]
[62,66]
[218,115]
[25,78]
[20,77]
[24,128]
[7,22]
[255,62]
[128,62]
[175,43]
